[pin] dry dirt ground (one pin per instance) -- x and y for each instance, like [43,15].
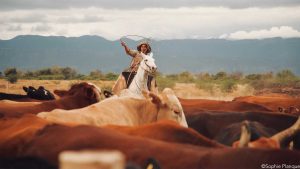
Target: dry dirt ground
[189,90]
[183,90]
[50,85]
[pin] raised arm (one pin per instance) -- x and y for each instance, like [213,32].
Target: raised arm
[127,50]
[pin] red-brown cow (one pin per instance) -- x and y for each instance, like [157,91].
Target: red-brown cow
[48,142]
[167,131]
[205,124]
[191,106]
[171,156]
[271,102]
[19,131]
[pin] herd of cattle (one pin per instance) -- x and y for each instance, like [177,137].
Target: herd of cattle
[247,132]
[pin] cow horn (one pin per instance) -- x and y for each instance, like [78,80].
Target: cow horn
[245,135]
[286,136]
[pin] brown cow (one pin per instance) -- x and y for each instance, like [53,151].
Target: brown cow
[210,124]
[231,133]
[167,131]
[191,106]
[78,96]
[52,140]
[124,111]
[47,142]
[18,131]
[271,102]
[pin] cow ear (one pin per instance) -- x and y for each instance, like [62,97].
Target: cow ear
[32,88]
[25,89]
[60,93]
[41,88]
[155,99]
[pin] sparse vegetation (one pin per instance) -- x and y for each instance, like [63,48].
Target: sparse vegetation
[223,81]
[11,75]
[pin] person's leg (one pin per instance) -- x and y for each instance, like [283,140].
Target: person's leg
[119,85]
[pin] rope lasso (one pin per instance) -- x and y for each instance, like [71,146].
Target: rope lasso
[143,37]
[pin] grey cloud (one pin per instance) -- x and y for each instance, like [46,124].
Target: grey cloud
[84,19]
[41,28]
[135,4]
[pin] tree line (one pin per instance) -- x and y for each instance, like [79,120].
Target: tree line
[227,82]
[12,74]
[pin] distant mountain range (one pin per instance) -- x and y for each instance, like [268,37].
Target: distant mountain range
[87,53]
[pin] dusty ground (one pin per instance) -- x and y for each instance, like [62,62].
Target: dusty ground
[186,90]
[48,84]
[183,90]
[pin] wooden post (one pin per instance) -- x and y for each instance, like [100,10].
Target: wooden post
[91,160]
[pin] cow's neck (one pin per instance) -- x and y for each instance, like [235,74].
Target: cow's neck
[148,112]
[138,111]
[139,82]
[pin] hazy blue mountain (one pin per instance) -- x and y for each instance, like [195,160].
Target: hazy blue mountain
[86,53]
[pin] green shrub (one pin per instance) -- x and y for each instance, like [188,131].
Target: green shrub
[164,82]
[228,85]
[220,76]
[111,76]
[254,77]
[11,75]
[12,78]
[51,77]
[186,77]
[205,85]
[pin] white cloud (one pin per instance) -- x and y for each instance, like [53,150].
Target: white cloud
[41,28]
[15,28]
[159,23]
[283,32]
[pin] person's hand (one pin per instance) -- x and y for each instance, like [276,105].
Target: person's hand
[123,43]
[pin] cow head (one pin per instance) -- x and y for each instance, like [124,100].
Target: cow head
[86,90]
[169,106]
[40,94]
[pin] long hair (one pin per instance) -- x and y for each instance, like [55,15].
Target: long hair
[144,43]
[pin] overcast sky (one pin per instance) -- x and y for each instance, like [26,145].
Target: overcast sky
[159,19]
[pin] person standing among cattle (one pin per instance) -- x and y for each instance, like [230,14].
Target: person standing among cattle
[128,74]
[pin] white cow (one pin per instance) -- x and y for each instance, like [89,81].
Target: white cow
[123,111]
